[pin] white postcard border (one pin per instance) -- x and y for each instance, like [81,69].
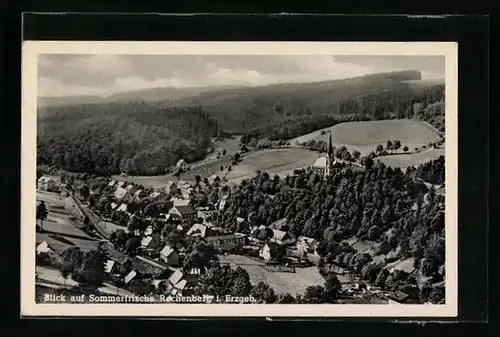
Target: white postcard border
[30,52]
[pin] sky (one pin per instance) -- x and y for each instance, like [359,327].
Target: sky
[103,75]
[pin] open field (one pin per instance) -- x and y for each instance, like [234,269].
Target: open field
[405,160]
[273,161]
[365,136]
[293,283]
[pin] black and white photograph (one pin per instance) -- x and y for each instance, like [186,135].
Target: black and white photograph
[231,178]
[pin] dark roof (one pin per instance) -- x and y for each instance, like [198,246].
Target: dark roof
[117,256]
[188,209]
[147,266]
[398,296]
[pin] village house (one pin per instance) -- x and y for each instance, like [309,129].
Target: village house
[182,284]
[306,245]
[282,238]
[181,164]
[148,268]
[121,184]
[123,208]
[120,193]
[114,205]
[199,230]
[221,205]
[46,184]
[154,195]
[115,260]
[131,189]
[151,242]
[269,251]
[226,241]
[112,183]
[205,215]
[214,179]
[184,212]
[169,256]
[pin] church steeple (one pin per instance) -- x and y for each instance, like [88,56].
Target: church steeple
[329,157]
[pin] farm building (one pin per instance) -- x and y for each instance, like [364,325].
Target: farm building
[199,230]
[149,268]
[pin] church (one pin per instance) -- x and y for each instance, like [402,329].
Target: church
[326,166]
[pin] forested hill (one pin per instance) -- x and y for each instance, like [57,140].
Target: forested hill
[145,138]
[377,96]
[137,138]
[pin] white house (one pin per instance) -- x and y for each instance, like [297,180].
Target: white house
[182,164]
[169,255]
[282,238]
[112,183]
[131,189]
[122,208]
[47,184]
[182,284]
[306,245]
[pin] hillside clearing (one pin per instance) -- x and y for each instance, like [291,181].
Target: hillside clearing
[413,159]
[274,161]
[365,136]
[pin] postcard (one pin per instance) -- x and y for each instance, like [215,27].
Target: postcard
[275,179]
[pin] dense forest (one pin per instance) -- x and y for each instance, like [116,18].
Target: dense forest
[391,208]
[137,138]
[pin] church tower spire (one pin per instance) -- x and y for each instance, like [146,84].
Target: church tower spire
[329,156]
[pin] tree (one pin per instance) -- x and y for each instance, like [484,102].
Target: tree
[437,295]
[224,152]
[379,148]
[314,295]
[119,238]
[388,146]
[367,162]
[263,293]
[198,179]
[237,157]
[332,288]
[356,154]
[405,149]
[286,299]
[41,213]
[66,269]
[132,245]
[396,145]
[374,233]
[200,255]
[91,273]
[381,278]
[140,287]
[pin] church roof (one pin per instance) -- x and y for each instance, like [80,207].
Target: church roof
[320,162]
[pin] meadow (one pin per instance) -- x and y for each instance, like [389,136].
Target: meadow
[365,136]
[293,283]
